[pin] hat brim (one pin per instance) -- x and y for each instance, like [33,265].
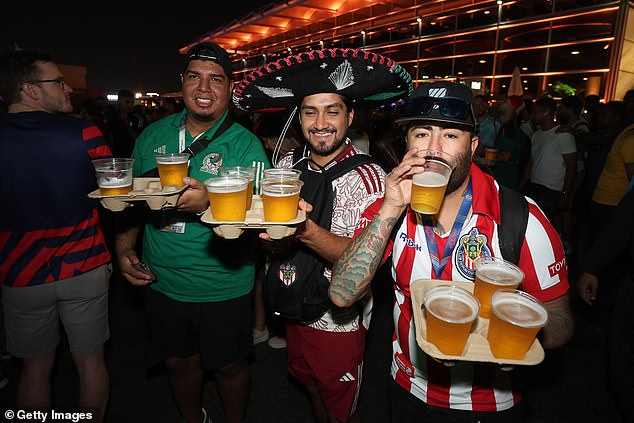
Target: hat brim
[368,79]
[459,124]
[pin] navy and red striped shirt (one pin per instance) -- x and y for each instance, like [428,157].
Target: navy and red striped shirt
[49,228]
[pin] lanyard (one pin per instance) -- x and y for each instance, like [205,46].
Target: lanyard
[181,134]
[439,265]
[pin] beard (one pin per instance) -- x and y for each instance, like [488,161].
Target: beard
[460,173]
[325,149]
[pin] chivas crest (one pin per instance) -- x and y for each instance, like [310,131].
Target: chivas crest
[287,274]
[470,247]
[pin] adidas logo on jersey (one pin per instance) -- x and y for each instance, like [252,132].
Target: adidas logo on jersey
[347,378]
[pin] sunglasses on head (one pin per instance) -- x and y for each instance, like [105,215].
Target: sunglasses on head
[448,107]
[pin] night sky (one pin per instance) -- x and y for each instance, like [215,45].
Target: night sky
[123,44]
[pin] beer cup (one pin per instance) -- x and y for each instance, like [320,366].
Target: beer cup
[515,320]
[450,312]
[490,153]
[172,168]
[114,175]
[228,197]
[280,198]
[284,172]
[491,274]
[246,171]
[428,187]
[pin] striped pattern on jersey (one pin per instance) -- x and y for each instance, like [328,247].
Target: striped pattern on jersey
[467,385]
[52,230]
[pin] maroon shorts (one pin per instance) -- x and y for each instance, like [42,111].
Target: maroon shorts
[330,361]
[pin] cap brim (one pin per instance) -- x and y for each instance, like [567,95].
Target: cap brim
[440,122]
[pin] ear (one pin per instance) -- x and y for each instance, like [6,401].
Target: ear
[475,141]
[350,116]
[29,91]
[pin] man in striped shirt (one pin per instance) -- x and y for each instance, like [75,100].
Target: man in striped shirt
[439,116]
[54,263]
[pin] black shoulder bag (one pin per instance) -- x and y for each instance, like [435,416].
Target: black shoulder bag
[295,286]
[197,146]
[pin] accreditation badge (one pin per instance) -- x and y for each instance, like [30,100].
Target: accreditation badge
[172,222]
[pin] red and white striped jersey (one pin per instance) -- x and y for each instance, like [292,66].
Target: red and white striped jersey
[467,385]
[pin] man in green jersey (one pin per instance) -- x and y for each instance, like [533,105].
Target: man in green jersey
[198,307]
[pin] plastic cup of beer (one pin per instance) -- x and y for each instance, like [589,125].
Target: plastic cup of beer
[450,313]
[515,320]
[282,172]
[114,175]
[491,274]
[246,171]
[428,187]
[228,197]
[172,168]
[491,153]
[280,198]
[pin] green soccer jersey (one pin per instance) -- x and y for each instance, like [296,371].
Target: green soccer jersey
[191,263]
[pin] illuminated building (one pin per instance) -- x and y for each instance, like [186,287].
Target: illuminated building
[554,43]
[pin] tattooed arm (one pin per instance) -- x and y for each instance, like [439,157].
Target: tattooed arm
[354,270]
[560,326]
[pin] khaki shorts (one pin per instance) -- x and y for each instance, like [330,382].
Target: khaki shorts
[32,314]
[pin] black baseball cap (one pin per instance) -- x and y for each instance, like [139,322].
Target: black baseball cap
[442,102]
[212,52]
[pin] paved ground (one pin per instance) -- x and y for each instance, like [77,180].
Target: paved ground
[569,386]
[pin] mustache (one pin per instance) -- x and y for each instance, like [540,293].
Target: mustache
[322,131]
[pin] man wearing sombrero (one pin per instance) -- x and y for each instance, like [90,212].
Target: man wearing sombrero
[325,344]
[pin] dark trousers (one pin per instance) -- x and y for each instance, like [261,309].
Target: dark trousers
[621,350]
[407,408]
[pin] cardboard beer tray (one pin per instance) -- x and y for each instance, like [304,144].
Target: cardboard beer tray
[254,220]
[477,346]
[143,189]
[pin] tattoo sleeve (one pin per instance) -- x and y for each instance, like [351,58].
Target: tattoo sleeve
[560,326]
[354,270]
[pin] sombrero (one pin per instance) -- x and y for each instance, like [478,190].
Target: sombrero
[369,79]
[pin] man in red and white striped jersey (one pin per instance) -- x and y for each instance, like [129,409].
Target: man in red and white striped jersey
[439,116]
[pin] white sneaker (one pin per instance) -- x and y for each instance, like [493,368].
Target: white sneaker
[277,342]
[260,336]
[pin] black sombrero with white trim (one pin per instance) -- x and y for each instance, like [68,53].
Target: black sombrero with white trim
[368,79]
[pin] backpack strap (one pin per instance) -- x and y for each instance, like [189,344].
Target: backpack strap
[202,143]
[513,222]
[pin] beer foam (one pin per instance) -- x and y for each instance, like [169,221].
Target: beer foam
[452,308]
[519,311]
[429,179]
[172,160]
[498,275]
[225,185]
[113,182]
[281,189]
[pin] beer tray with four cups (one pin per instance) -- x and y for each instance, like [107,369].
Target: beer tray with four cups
[477,346]
[148,190]
[254,220]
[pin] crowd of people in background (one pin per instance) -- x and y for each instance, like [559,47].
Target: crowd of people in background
[574,156]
